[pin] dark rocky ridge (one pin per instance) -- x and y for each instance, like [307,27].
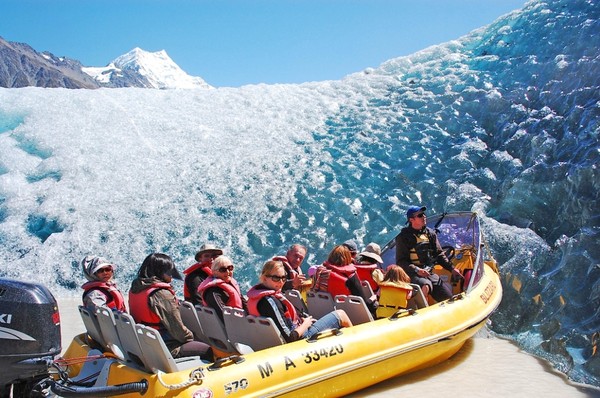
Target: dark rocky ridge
[22,66]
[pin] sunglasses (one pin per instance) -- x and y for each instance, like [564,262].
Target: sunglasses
[277,278]
[225,269]
[420,215]
[103,270]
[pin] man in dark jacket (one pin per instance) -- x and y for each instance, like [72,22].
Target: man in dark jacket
[418,250]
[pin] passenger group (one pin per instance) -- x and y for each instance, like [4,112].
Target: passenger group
[210,282]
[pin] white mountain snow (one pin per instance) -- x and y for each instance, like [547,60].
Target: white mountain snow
[150,69]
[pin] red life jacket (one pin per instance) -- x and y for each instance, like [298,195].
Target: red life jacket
[365,273]
[231,288]
[291,273]
[255,295]
[204,267]
[139,304]
[114,298]
[332,278]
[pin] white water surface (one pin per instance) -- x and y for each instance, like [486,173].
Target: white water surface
[497,368]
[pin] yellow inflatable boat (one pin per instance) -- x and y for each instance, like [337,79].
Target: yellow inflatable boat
[332,364]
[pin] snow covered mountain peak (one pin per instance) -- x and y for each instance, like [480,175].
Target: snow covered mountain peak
[146,69]
[158,68]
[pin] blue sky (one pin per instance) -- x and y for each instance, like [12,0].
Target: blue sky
[232,43]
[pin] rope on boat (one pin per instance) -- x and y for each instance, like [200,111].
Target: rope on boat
[76,360]
[195,378]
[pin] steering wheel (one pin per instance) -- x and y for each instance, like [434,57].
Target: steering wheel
[449,251]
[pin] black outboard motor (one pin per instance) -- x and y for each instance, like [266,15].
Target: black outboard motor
[29,335]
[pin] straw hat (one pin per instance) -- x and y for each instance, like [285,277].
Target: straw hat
[208,247]
[372,251]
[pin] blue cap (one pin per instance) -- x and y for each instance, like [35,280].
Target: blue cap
[412,210]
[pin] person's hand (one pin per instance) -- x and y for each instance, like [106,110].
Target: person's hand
[297,281]
[423,273]
[456,274]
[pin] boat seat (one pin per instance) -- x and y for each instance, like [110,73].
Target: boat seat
[319,303]
[157,355]
[297,301]
[256,332]
[108,327]
[418,299]
[355,307]
[90,321]
[367,290]
[214,329]
[132,350]
[92,370]
[189,316]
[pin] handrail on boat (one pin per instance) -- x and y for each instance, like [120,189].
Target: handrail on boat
[222,362]
[402,312]
[325,333]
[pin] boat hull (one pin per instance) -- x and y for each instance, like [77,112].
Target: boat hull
[332,365]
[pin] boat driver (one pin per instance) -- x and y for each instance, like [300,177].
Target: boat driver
[418,250]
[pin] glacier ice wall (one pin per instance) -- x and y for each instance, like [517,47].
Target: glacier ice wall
[503,121]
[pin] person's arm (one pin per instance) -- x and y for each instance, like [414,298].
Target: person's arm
[216,299]
[294,278]
[244,303]
[442,259]
[377,275]
[289,283]
[354,285]
[192,284]
[164,304]
[95,297]
[268,307]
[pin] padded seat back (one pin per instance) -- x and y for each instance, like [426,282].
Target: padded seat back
[256,332]
[157,355]
[90,321]
[297,301]
[355,307]
[418,299]
[319,303]
[214,329]
[108,327]
[130,344]
[189,316]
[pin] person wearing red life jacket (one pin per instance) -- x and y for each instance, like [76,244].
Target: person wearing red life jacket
[221,289]
[266,299]
[368,261]
[101,288]
[198,272]
[338,275]
[292,262]
[152,302]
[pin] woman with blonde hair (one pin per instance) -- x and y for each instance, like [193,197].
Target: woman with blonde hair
[265,299]
[221,289]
